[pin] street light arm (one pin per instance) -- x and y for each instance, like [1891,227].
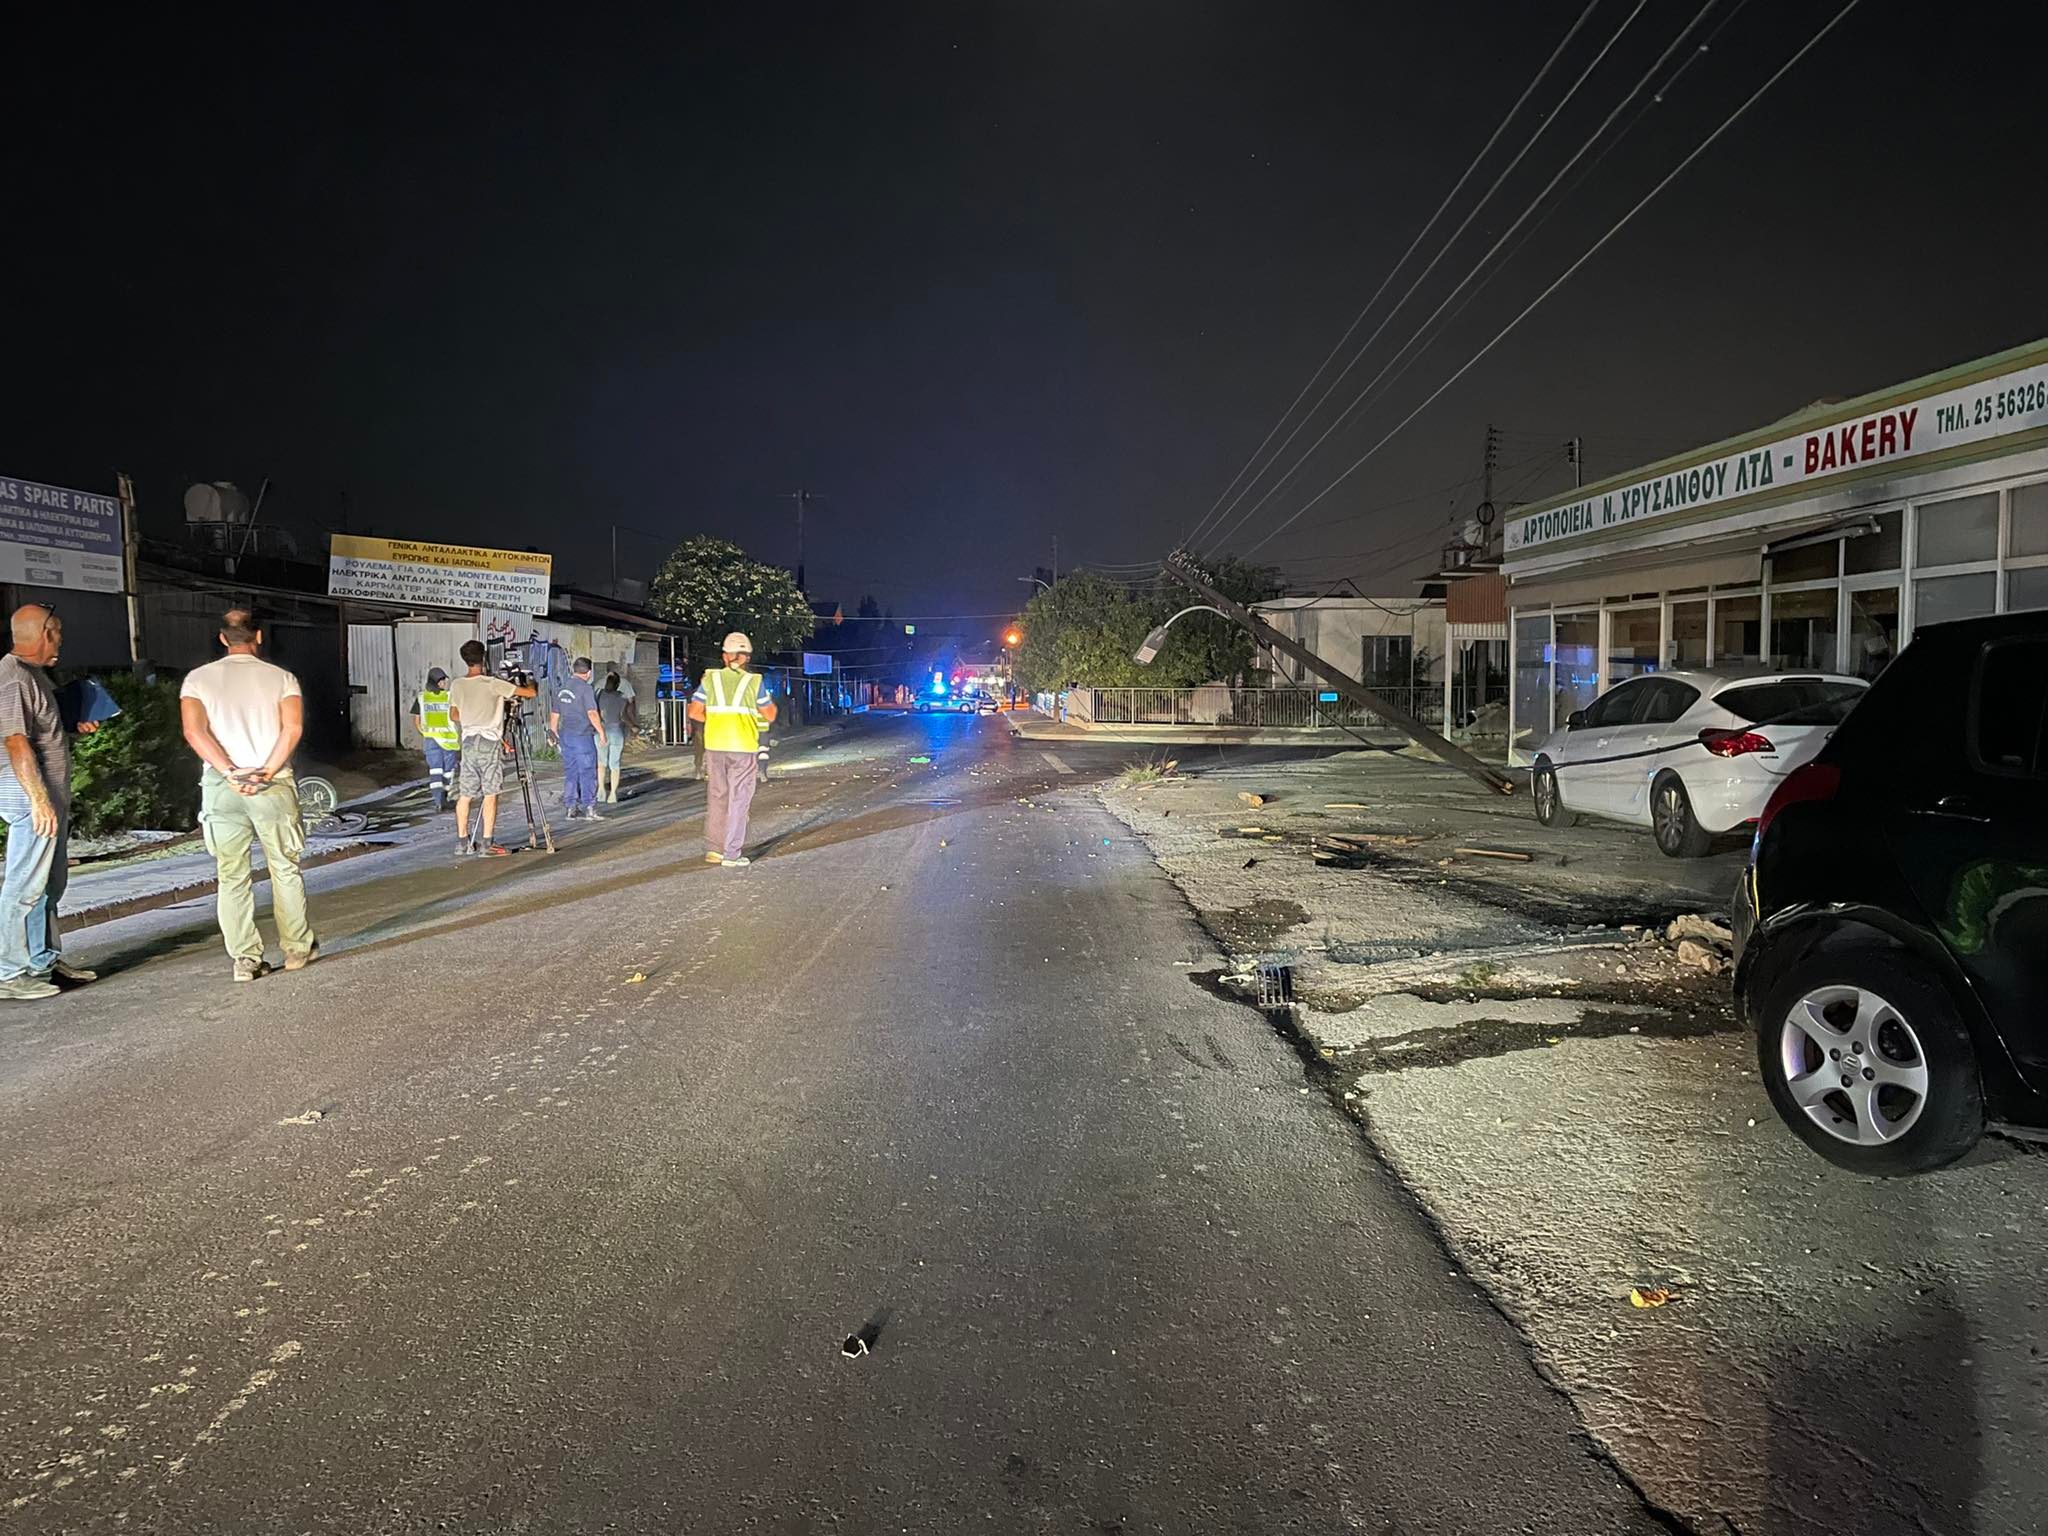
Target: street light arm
[1144,653]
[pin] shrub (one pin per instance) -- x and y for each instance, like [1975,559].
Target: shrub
[135,770]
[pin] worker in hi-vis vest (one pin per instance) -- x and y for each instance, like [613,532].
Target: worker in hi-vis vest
[733,706]
[440,737]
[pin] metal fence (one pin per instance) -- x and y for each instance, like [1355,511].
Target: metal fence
[1258,708]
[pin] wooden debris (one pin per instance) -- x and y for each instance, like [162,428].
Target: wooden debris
[1250,799]
[1497,853]
[1344,805]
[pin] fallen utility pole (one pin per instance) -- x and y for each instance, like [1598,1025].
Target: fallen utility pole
[1182,568]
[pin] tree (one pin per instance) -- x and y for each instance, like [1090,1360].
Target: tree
[711,587]
[1086,630]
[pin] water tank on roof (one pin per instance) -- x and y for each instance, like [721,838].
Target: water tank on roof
[216,501]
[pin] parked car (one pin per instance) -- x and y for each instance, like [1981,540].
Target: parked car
[985,705]
[1690,755]
[1892,925]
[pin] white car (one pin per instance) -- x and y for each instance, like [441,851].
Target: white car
[1690,755]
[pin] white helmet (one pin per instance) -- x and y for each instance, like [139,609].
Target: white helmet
[737,642]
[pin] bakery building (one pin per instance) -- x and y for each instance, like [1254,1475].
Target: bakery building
[1819,542]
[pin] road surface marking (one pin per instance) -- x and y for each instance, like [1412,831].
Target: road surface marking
[1054,763]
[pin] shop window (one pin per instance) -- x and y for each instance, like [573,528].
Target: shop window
[1815,562]
[1738,631]
[1878,551]
[1632,642]
[1956,532]
[1873,630]
[2028,534]
[1941,598]
[2026,588]
[1576,653]
[1803,629]
[1532,677]
[1687,643]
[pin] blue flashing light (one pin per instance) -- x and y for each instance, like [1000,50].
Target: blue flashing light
[938,682]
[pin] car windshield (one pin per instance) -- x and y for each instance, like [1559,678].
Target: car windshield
[1792,701]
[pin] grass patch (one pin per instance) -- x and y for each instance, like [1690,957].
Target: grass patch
[1148,771]
[1475,976]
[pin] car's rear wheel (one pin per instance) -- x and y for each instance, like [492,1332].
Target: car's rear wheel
[1550,809]
[1672,822]
[1864,1057]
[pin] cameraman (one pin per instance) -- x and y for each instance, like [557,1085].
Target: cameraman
[476,703]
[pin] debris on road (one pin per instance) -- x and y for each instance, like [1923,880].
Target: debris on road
[1695,954]
[1651,1296]
[1250,799]
[310,1117]
[1707,930]
[1497,853]
[636,978]
[1344,805]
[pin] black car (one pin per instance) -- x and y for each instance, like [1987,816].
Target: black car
[1892,926]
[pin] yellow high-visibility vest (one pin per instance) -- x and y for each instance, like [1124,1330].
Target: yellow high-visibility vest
[732,710]
[434,722]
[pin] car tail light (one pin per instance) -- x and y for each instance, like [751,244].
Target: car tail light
[1814,782]
[1735,743]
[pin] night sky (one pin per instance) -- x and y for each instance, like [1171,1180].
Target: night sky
[978,275]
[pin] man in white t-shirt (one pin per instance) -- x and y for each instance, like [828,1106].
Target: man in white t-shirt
[244,717]
[476,703]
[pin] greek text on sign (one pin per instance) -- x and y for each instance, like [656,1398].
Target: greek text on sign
[1971,413]
[438,575]
[53,537]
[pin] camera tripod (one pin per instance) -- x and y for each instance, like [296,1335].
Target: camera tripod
[517,743]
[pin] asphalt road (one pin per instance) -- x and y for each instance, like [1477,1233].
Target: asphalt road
[616,1150]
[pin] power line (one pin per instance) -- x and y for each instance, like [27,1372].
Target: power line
[1361,398]
[1449,197]
[1565,276]
[1421,277]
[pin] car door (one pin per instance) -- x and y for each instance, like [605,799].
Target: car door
[1973,843]
[1590,781]
[1650,744]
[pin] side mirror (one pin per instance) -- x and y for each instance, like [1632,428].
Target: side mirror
[1576,721]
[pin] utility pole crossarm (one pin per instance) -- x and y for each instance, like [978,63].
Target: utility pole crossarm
[1183,569]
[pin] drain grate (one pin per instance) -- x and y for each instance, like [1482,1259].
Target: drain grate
[1276,983]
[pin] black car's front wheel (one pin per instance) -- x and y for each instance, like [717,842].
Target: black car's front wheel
[1864,1057]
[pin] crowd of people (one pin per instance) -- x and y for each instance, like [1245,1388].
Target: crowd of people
[243,717]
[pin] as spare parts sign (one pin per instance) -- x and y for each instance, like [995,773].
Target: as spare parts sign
[1972,413]
[439,575]
[53,537]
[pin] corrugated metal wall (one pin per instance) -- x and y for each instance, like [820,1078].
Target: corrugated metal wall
[372,685]
[420,645]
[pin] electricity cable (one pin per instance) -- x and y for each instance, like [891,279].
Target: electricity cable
[1361,398]
[1385,282]
[1562,278]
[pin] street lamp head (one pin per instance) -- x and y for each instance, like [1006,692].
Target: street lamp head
[1144,653]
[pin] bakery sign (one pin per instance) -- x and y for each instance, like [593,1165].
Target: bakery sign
[1840,450]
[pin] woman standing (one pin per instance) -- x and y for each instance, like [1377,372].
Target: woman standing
[617,713]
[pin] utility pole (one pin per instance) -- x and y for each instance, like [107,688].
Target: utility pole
[131,571]
[1181,566]
[1487,511]
[1575,451]
[802,498]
